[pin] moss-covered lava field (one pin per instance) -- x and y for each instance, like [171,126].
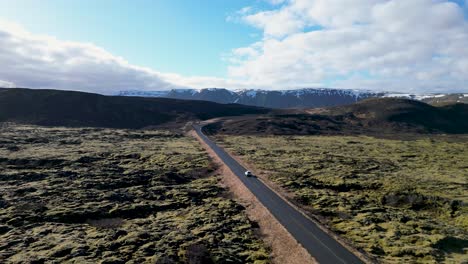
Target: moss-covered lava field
[90,195]
[402,201]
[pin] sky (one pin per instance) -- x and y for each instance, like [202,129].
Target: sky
[417,46]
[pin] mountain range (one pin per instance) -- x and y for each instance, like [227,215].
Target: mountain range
[373,115]
[299,98]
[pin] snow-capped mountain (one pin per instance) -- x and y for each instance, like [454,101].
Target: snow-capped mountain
[300,98]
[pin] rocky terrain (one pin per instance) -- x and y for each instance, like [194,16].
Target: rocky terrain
[402,201]
[89,195]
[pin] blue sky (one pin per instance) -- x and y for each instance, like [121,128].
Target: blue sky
[104,46]
[187,37]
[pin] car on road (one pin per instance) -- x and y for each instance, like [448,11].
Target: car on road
[248,174]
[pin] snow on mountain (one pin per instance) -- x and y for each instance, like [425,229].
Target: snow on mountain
[251,93]
[414,96]
[298,98]
[143,93]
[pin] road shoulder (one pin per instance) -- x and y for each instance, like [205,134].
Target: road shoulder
[289,198]
[285,249]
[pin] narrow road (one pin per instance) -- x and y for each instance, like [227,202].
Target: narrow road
[323,247]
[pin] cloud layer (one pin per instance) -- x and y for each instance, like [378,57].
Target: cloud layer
[397,45]
[416,45]
[45,62]
[37,61]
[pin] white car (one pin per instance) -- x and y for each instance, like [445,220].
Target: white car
[248,174]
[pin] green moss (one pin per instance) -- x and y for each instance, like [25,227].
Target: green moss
[115,196]
[393,198]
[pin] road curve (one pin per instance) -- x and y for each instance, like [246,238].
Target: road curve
[324,248]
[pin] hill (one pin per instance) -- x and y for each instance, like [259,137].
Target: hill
[371,116]
[67,108]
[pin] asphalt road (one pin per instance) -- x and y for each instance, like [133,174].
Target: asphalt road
[323,247]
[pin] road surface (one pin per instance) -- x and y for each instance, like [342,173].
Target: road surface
[323,247]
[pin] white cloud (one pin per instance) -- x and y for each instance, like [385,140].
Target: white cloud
[37,61]
[401,45]
[5,84]
[199,82]
[380,44]
[276,23]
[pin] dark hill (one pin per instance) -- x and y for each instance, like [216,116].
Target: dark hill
[372,116]
[450,118]
[67,108]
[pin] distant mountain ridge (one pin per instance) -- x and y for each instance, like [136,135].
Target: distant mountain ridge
[300,98]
